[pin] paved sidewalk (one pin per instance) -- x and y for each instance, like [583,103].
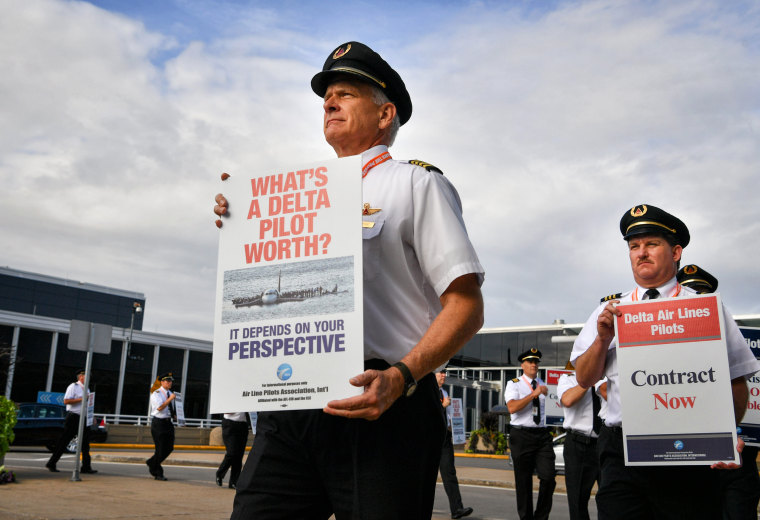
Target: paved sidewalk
[41,495]
[504,478]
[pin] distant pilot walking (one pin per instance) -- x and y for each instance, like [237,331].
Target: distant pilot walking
[530,440]
[73,401]
[235,436]
[161,427]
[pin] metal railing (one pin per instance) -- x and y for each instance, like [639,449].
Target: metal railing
[141,420]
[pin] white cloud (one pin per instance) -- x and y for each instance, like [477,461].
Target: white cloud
[550,125]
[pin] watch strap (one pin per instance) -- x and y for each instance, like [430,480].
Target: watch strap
[410,384]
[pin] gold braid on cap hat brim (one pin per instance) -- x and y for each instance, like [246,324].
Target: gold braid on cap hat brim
[697,280]
[352,70]
[650,222]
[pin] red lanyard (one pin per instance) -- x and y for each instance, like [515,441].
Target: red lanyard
[380,159]
[676,292]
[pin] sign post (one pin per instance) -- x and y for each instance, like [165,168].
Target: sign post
[88,337]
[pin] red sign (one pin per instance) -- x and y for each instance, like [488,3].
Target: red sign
[668,321]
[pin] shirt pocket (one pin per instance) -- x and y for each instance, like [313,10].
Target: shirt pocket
[371,248]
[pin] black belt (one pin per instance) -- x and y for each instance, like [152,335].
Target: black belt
[617,430]
[162,418]
[537,429]
[581,437]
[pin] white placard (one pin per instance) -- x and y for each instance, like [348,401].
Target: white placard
[555,413]
[749,429]
[90,408]
[179,407]
[675,385]
[288,329]
[457,422]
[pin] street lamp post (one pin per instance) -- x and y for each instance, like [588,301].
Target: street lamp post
[136,309]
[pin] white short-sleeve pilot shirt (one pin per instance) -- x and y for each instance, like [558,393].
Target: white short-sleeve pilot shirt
[416,246]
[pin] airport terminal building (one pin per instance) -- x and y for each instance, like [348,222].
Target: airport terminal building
[35,317]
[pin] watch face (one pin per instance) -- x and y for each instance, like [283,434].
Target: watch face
[410,389]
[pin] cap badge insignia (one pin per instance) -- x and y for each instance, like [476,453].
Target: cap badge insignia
[533,350]
[340,52]
[638,211]
[690,269]
[367,210]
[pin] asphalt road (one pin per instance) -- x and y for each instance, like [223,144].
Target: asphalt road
[190,492]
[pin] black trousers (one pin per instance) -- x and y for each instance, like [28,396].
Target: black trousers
[235,437]
[531,449]
[449,474]
[652,492]
[581,472]
[70,430]
[162,431]
[306,464]
[740,489]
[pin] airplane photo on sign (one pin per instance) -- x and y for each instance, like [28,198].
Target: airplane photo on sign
[272,296]
[322,286]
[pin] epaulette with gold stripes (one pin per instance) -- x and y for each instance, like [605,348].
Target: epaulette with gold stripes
[516,380]
[611,297]
[429,167]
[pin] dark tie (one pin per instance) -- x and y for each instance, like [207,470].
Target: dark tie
[653,294]
[596,405]
[172,410]
[536,406]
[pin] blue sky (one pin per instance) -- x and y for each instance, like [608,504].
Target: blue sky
[551,118]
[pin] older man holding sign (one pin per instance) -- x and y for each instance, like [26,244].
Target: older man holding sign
[376,454]
[652,353]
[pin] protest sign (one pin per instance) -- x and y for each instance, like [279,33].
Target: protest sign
[674,379]
[90,408]
[749,429]
[288,330]
[457,422]
[555,414]
[179,407]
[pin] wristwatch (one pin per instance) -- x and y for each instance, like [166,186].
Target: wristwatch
[410,385]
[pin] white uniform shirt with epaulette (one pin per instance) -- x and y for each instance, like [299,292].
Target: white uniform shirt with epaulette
[519,388]
[580,416]
[415,245]
[158,398]
[75,391]
[741,361]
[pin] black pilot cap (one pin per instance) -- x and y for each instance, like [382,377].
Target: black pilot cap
[646,219]
[697,278]
[358,60]
[167,377]
[530,355]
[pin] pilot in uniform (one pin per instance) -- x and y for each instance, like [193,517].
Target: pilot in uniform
[530,440]
[740,489]
[73,400]
[310,463]
[235,437]
[581,407]
[650,492]
[161,426]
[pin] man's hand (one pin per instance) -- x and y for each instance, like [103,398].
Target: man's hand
[540,389]
[446,402]
[731,465]
[605,324]
[381,389]
[222,206]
